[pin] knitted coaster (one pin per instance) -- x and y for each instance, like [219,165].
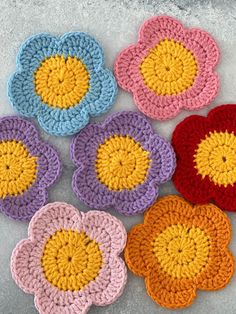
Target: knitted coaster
[120,163]
[180,248]
[71,259]
[61,81]
[28,167]
[206,163]
[170,68]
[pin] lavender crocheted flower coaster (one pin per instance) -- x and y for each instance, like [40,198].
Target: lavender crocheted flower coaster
[28,167]
[71,259]
[120,163]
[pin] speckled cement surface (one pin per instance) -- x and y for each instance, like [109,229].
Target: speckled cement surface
[114,24]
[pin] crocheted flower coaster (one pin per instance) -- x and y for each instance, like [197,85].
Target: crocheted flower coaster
[206,162]
[71,259]
[170,68]
[62,81]
[180,248]
[120,163]
[28,167]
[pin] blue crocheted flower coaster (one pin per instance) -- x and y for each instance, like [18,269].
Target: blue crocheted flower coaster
[61,81]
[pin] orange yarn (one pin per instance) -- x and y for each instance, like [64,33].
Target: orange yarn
[180,248]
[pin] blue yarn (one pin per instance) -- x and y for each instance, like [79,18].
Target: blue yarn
[98,100]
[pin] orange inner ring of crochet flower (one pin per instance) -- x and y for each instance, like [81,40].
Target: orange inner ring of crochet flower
[169,68]
[71,260]
[122,163]
[182,252]
[216,158]
[61,83]
[18,169]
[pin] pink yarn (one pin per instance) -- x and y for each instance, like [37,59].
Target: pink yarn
[206,82]
[28,274]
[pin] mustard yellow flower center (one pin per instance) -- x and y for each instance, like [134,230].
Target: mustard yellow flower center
[18,168]
[61,83]
[122,163]
[71,260]
[215,158]
[182,252]
[169,68]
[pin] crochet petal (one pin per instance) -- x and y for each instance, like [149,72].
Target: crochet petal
[214,222]
[225,198]
[106,230]
[163,163]
[138,253]
[21,91]
[154,106]
[24,274]
[173,207]
[63,122]
[12,126]
[218,272]
[49,164]
[53,217]
[110,284]
[160,27]
[89,190]
[102,92]
[187,182]
[208,44]
[137,201]
[168,292]
[127,65]
[204,90]
[82,46]
[46,304]
[24,206]
[34,50]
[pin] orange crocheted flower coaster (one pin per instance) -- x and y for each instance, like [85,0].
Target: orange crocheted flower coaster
[180,248]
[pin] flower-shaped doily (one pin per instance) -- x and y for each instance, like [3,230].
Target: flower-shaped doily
[71,259]
[62,81]
[169,69]
[28,167]
[120,163]
[180,248]
[206,157]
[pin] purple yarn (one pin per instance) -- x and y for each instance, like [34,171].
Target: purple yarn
[23,206]
[87,186]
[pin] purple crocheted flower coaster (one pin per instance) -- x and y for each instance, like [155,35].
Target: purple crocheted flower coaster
[120,163]
[28,167]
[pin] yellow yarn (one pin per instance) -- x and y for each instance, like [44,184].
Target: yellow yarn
[61,82]
[71,260]
[216,158]
[122,163]
[169,68]
[182,251]
[18,168]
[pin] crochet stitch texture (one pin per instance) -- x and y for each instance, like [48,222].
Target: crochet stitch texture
[180,248]
[61,81]
[206,166]
[169,69]
[71,259]
[121,163]
[28,166]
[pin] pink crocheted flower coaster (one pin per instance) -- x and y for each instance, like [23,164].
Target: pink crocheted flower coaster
[170,68]
[71,259]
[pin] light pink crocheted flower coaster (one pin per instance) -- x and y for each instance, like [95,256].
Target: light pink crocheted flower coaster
[170,68]
[71,259]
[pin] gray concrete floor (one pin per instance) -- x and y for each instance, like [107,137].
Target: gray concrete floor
[114,24]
